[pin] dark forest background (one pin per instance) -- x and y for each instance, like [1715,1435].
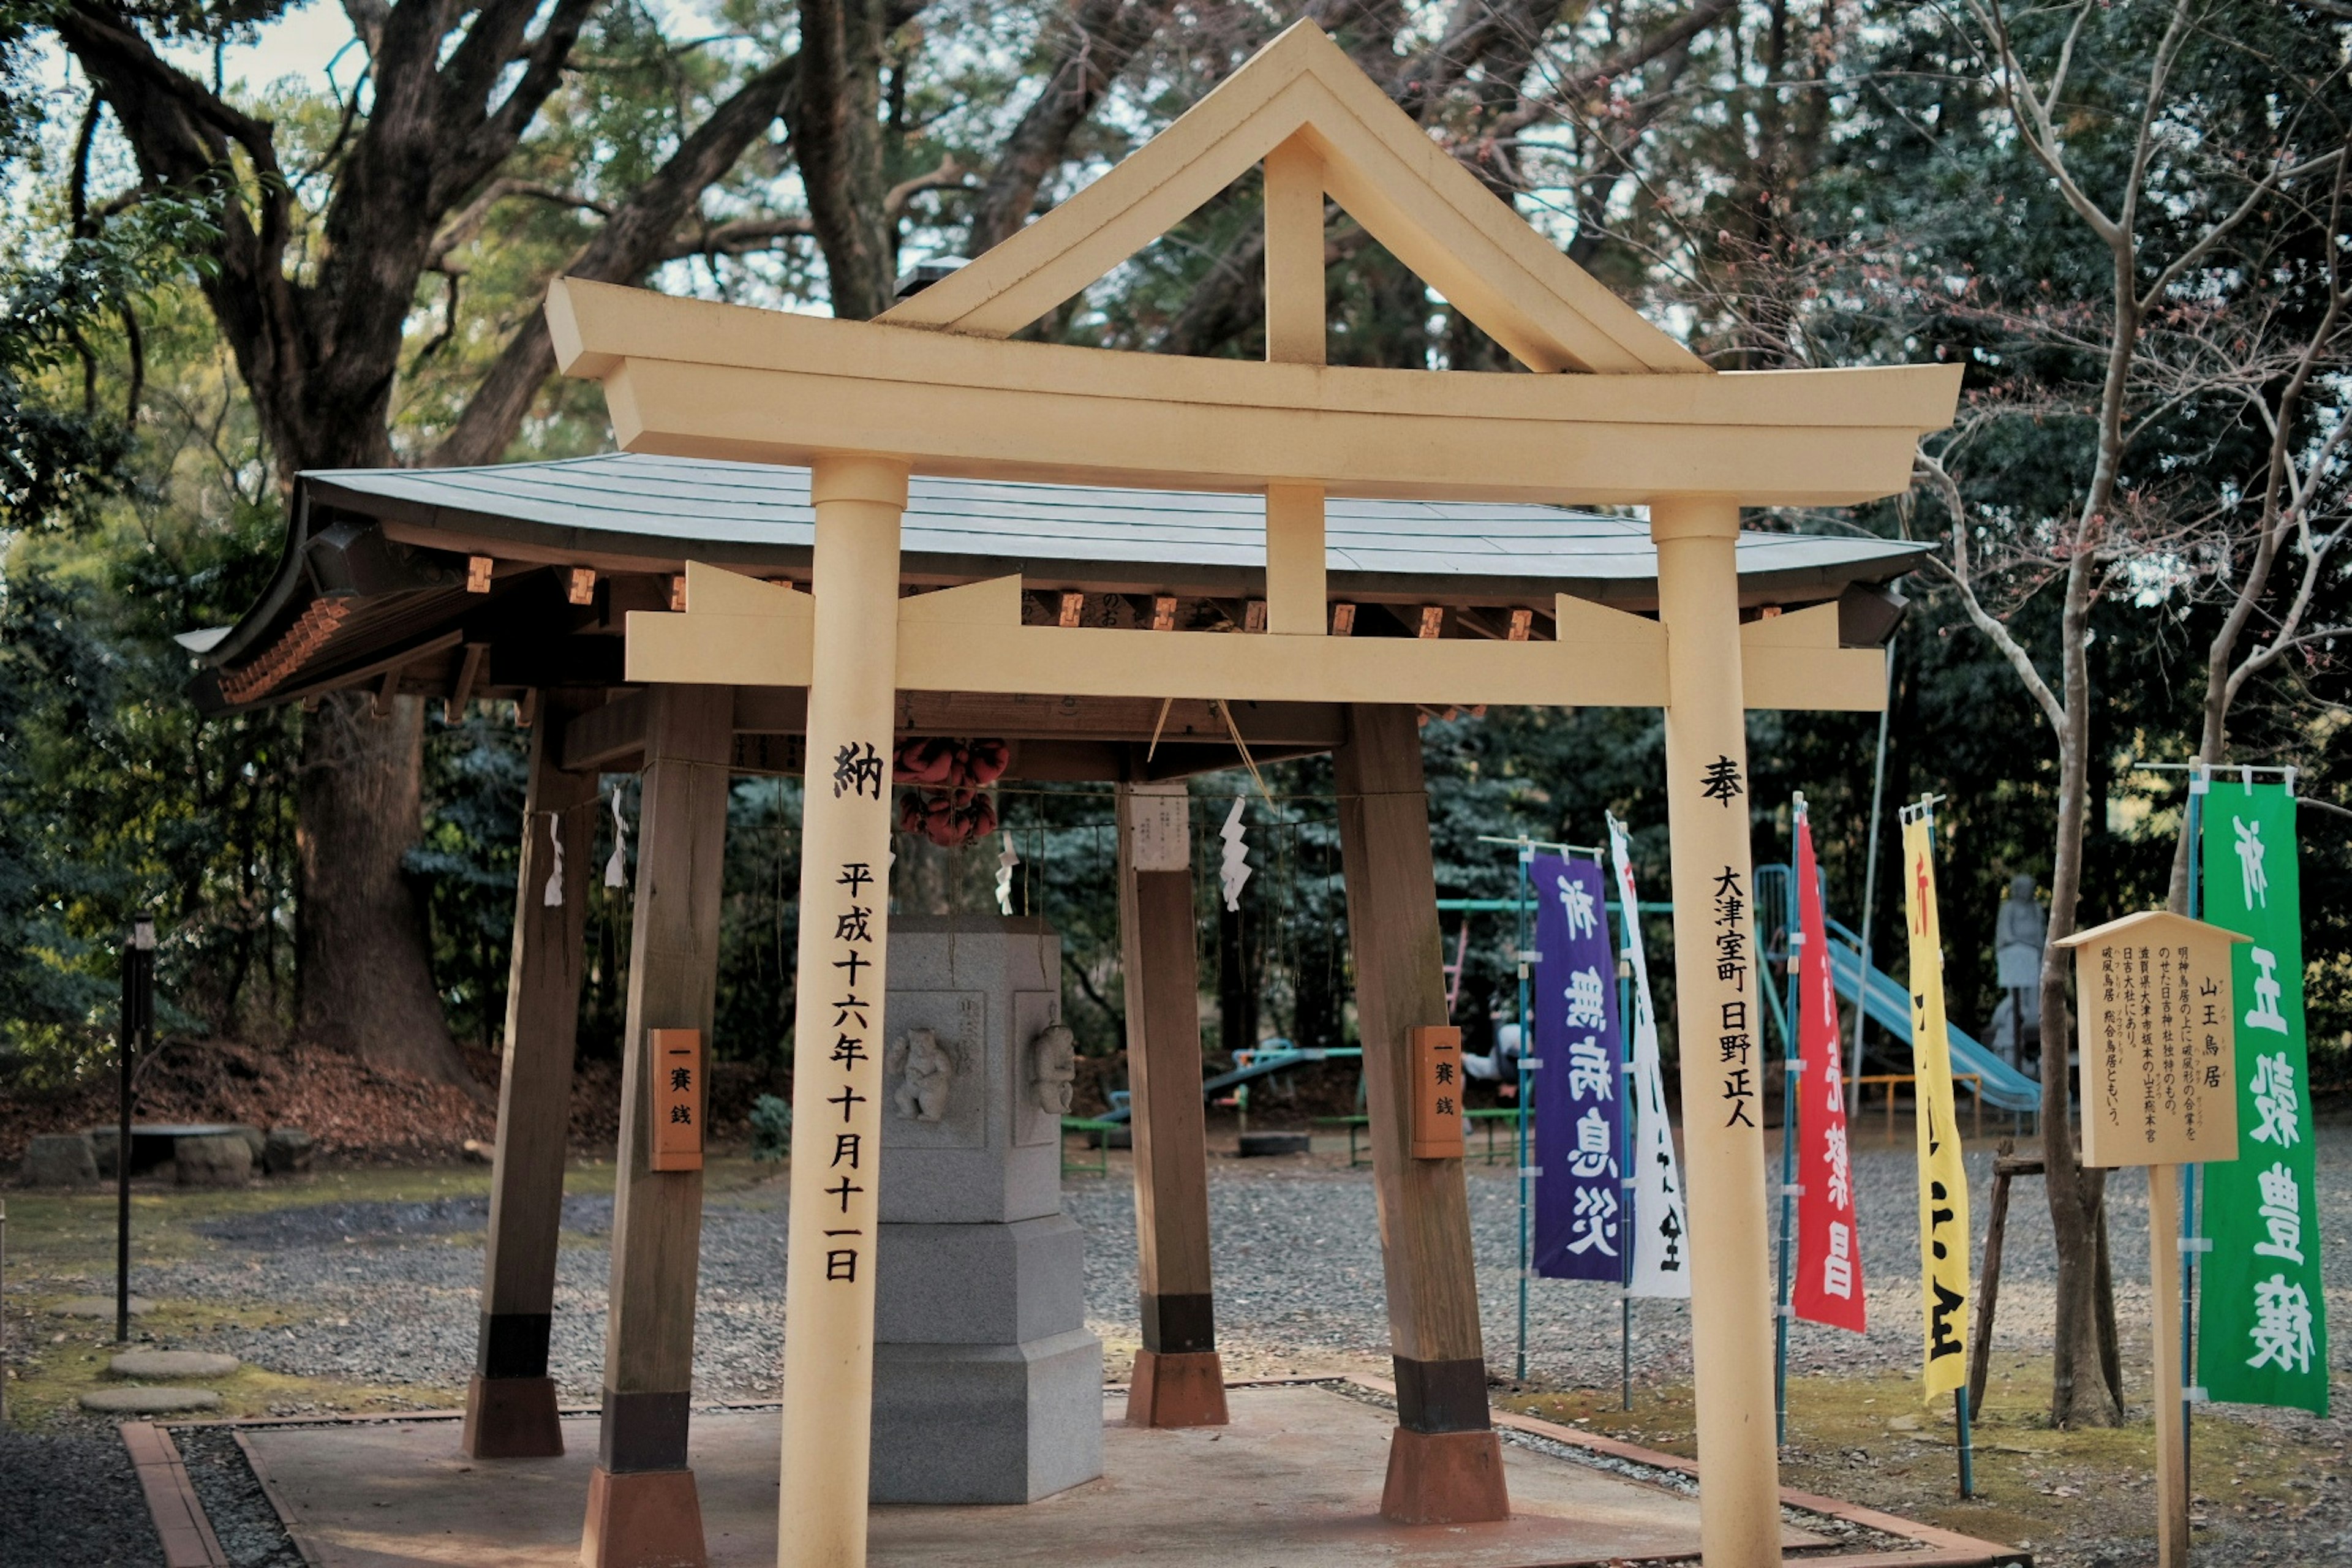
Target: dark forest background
[1779,183]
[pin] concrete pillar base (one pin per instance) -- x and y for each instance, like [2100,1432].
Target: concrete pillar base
[1177,1388]
[1444,1478]
[643,1519]
[511,1418]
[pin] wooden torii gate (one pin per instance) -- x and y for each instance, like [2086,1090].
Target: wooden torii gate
[1617,413]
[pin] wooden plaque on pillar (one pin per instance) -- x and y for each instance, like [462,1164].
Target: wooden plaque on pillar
[1436,1053]
[677,1099]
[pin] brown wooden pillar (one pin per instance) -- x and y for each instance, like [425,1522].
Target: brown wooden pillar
[510,1402]
[642,1506]
[1446,1465]
[1179,1381]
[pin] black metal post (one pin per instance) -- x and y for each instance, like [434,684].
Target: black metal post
[135,1033]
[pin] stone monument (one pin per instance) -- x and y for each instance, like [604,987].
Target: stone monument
[2020,933]
[987,1386]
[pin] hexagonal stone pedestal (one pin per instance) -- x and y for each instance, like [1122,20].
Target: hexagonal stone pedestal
[987,1387]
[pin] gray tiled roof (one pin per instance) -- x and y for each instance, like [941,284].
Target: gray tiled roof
[670,508]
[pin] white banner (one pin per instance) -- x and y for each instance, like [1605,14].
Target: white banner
[1660,1228]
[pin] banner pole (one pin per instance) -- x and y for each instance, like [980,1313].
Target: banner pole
[1527,1043]
[1869,899]
[1625,1185]
[1792,1066]
[2191,1175]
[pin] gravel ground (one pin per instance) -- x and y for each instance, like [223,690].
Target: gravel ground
[1298,1283]
[242,1520]
[71,1500]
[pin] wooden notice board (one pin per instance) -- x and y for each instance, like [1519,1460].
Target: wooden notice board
[2158,1041]
[1436,1053]
[677,1099]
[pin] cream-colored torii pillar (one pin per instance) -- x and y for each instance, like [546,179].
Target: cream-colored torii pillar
[837,1153]
[1718,1020]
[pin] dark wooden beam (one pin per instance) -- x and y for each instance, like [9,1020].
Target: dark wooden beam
[1178,1377]
[778,709]
[610,739]
[1445,1466]
[510,1410]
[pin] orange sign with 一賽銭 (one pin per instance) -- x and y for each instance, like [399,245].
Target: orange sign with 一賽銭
[677,1099]
[1437,1054]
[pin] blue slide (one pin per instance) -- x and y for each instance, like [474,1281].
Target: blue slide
[1887,1001]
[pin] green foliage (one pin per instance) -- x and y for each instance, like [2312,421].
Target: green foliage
[771,1129]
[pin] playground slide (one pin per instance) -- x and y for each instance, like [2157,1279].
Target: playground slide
[1259,1066]
[1887,1001]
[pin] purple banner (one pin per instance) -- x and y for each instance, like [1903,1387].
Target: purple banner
[1578,1090]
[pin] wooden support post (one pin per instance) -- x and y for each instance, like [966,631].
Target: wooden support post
[1446,1465]
[510,1402]
[2172,1532]
[1718,1009]
[828,1391]
[1179,1380]
[2007,1166]
[642,1506]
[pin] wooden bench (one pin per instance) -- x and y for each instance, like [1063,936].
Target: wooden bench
[1101,1167]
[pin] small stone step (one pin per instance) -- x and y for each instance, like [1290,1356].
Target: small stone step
[154,1401]
[172,1363]
[99,1307]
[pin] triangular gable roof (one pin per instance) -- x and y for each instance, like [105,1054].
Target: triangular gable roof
[1430,212]
[2161,922]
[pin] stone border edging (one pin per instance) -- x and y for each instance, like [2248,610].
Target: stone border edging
[179,1522]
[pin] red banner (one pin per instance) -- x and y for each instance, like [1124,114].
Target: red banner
[1829,1242]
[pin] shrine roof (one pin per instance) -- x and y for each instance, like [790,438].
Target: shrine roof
[391,545]
[665,509]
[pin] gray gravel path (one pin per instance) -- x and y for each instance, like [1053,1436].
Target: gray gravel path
[394,1294]
[389,1294]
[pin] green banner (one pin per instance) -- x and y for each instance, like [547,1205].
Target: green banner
[2262,1331]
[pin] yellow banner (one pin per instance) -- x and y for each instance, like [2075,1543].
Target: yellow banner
[1943,1181]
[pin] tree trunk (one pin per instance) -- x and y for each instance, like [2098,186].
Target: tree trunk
[364,965]
[2081,1392]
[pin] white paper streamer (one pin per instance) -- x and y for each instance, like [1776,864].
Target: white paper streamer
[1005,861]
[553,897]
[1660,1224]
[1235,870]
[617,868]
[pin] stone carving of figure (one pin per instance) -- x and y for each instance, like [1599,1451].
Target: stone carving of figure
[1053,1069]
[2019,937]
[925,1071]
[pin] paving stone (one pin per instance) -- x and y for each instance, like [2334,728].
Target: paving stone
[287,1150]
[61,1160]
[149,1401]
[172,1363]
[221,1159]
[99,1307]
